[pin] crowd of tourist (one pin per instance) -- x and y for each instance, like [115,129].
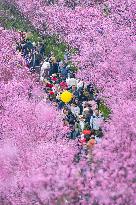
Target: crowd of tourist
[81,113]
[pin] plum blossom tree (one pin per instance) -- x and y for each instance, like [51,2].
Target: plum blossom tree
[36,159]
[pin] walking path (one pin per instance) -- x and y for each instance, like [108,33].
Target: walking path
[78,102]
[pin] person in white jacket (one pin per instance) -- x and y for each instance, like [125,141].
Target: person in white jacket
[96,120]
[44,70]
[75,109]
[80,84]
[81,122]
[71,81]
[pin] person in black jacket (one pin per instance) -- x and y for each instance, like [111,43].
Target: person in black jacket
[18,47]
[42,49]
[55,68]
[27,48]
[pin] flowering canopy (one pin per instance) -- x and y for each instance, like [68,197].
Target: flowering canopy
[107,57]
[35,157]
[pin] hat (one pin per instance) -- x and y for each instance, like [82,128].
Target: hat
[86,132]
[63,85]
[51,93]
[49,85]
[82,140]
[54,78]
[54,75]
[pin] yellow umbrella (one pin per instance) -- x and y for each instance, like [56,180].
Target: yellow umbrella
[66,96]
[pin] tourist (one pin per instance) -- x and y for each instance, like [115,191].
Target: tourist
[44,73]
[96,120]
[82,113]
[71,81]
[81,122]
[75,110]
[64,71]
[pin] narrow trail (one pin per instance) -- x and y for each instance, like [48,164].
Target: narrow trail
[81,111]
